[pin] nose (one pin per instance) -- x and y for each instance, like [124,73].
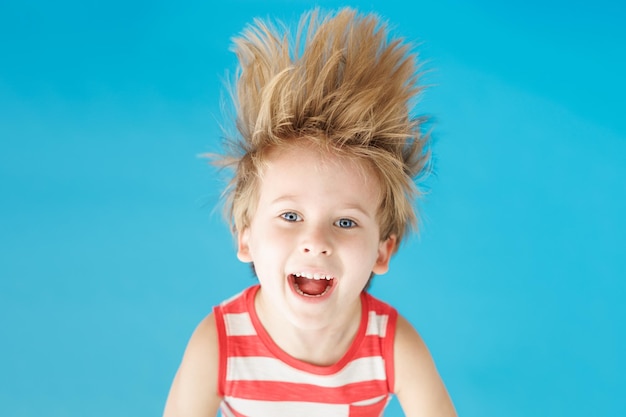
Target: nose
[316,240]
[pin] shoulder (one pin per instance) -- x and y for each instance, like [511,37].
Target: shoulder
[419,388]
[194,390]
[379,307]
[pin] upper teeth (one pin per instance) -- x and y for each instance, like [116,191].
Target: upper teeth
[313,276]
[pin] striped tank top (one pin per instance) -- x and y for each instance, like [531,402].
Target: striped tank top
[257,379]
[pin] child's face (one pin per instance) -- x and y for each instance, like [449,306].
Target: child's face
[316,217]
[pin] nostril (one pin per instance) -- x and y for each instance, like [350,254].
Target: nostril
[321,252]
[316,249]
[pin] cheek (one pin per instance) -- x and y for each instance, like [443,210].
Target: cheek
[374,250]
[267,241]
[361,251]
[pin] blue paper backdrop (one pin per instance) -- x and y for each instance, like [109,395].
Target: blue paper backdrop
[112,248]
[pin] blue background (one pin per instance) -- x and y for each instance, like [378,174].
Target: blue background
[112,245]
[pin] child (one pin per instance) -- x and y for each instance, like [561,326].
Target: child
[320,200]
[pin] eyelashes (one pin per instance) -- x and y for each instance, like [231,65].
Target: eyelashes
[343,223]
[291,216]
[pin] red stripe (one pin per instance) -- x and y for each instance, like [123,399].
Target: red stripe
[237,305]
[254,346]
[387,350]
[222,341]
[368,410]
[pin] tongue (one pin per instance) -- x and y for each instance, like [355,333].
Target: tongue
[311,286]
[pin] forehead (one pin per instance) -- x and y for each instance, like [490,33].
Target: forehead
[310,168]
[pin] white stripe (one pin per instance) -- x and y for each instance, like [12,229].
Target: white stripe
[253,368]
[286,408]
[377,324]
[239,324]
[370,401]
[382,412]
[225,410]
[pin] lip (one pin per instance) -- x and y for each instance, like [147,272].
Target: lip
[311,299]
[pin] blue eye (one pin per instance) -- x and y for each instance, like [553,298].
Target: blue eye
[345,223]
[290,216]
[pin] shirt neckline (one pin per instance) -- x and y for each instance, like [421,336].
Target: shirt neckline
[297,363]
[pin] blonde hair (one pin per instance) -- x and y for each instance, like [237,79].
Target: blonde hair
[339,83]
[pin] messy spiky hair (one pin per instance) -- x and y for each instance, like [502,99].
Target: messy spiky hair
[339,83]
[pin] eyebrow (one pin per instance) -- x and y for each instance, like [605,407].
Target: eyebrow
[284,198]
[292,198]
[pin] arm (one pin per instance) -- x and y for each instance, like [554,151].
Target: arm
[417,383]
[194,390]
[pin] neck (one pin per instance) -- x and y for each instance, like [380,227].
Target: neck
[323,346]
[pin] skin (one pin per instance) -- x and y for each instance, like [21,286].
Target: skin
[316,213]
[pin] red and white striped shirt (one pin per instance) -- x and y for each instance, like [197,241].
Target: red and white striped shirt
[258,379]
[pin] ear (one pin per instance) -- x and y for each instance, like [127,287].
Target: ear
[243,247]
[386,248]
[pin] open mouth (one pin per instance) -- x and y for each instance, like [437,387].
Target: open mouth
[311,285]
